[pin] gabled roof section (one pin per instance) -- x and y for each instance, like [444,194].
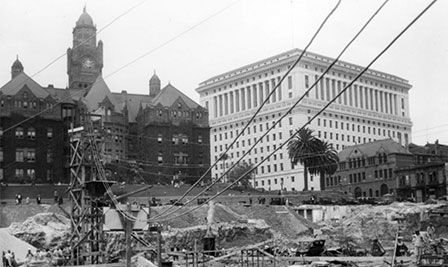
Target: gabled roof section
[60,94]
[132,102]
[169,94]
[371,149]
[97,93]
[18,82]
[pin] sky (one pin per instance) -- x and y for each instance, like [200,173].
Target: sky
[187,42]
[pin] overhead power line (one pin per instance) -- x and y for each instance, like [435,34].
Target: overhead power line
[304,95]
[430,128]
[126,65]
[315,116]
[259,108]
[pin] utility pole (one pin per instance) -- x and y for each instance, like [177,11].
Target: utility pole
[128,232]
[159,246]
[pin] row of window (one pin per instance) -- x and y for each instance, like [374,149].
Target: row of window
[275,181]
[30,133]
[180,158]
[28,155]
[384,174]
[267,138]
[27,173]
[23,104]
[360,162]
[255,150]
[247,98]
[178,139]
[338,124]
[356,95]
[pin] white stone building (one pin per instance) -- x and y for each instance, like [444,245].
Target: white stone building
[375,107]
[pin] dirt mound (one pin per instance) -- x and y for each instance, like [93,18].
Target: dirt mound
[10,213]
[283,220]
[43,230]
[198,217]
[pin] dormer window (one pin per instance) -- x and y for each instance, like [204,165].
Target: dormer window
[109,112]
[179,105]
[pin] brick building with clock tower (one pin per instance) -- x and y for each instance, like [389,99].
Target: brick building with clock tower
[85,58]
[163,131]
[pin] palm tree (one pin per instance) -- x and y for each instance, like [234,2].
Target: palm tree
[316,156]
[327,162]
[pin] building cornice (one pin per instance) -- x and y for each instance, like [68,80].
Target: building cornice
[288,58]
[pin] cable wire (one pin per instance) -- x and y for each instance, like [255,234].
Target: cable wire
[316,115]
[126,65]
[306,93]
[260,107]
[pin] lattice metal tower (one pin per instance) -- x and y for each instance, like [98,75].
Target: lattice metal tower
[87,188]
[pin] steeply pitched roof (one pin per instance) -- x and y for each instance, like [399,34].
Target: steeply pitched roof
[60,94]
[132,102]
[371,149]
[97,93]
[169,94]
[18,82]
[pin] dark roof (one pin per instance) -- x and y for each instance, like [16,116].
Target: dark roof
[97,93]
[416,149]
[85,19]
[166,97]
[132,102]
[17,64]
[169,94]
[371,149]
[18,82]
[60,94]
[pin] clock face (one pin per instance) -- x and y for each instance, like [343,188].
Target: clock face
[88,64]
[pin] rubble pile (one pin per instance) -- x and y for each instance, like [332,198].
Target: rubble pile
[227,235]
[284,221]
[362,224]
[198,217]
[43,230]
[14,213]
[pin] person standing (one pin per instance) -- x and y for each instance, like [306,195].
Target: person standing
[56,196]
[8,256]
[38,199]
[4,259]
[418,245]
[431,231]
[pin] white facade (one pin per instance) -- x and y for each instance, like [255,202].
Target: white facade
[375,107]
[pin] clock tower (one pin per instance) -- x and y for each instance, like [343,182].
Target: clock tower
[85,58]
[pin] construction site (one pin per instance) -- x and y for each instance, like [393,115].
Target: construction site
[111,224]
[191,209]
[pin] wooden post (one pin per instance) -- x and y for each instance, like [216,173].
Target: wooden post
[195,255]
[127,232]
[159,246]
